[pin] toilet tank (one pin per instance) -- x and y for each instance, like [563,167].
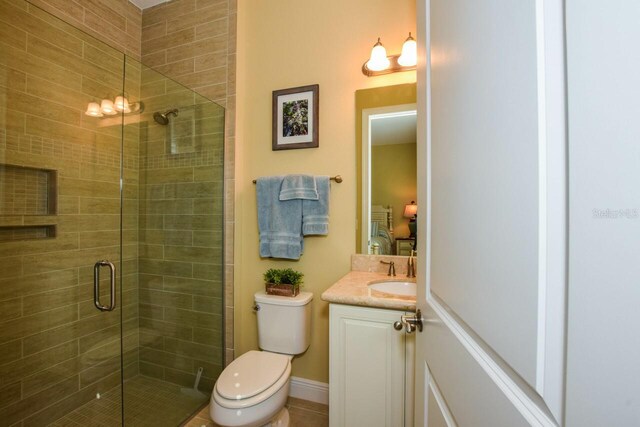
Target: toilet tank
[284,323]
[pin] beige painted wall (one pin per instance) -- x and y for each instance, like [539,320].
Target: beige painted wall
[288,43]
[394,181]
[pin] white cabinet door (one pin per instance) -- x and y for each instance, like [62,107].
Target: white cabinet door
[367,367]
[492,178]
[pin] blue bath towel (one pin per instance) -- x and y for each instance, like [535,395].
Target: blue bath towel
[315,213]
[279,222]
[298,187]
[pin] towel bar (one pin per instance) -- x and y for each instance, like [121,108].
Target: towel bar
[336,178]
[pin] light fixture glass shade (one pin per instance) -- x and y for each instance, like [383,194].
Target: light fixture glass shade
[122,104]
[107,107]
[378,60]
[409,55]
[93,110]
[410,210]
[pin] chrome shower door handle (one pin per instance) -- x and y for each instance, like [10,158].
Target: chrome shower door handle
[96,285]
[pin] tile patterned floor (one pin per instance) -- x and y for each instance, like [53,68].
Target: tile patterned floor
[148,402]
[302,413]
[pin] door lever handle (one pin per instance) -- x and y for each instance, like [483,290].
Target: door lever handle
[411,322]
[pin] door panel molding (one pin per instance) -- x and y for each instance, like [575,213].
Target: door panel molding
[434,391]
[553,213]
[523,397]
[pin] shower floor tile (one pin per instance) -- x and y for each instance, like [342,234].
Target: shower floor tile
[148,402]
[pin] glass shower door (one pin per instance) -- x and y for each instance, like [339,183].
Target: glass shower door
[60,203]
[180,249]
[111,233]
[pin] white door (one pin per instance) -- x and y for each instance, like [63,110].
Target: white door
[603,349]
[491,94]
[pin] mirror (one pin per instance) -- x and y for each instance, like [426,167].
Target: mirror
[386,168]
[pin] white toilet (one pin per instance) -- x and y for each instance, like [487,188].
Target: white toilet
[252,391]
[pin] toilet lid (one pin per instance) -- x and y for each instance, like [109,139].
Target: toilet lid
[250,374]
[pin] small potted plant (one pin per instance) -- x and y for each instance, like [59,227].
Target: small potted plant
[283,281]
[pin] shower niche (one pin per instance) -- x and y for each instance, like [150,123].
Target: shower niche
[27,203]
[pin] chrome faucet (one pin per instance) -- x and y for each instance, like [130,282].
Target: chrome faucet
[392,268]
[411,264]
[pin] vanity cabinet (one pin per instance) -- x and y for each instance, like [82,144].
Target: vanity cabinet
[371,368]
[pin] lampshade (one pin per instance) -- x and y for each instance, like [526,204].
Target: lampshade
[107,107]
[378,60]
[409,55]
[122,104]
[410,210]
[93,110]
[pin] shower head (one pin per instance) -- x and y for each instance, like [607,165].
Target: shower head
[163,118]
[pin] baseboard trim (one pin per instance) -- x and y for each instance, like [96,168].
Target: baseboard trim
[314,391]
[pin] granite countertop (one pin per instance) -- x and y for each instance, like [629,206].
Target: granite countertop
[352,289]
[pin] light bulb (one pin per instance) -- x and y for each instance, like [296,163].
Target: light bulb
[409,55]
[378,60]
[93,110]
[107,107]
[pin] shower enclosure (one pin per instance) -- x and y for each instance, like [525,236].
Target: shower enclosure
[111,238]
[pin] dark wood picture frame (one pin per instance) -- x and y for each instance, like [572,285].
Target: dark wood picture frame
[300,104]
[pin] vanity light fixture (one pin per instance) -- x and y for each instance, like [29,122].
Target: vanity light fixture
[411,212]
[379,63]
[108,107]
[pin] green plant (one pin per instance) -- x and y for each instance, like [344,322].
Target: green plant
[283,276]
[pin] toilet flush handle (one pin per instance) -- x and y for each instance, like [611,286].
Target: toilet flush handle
[256,307]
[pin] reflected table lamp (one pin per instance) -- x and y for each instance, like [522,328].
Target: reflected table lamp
[411,212]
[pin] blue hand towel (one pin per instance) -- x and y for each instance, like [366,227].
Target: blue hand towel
[315,213]
[298,187]
[279,222]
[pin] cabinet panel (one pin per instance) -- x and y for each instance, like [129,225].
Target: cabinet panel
[367,367]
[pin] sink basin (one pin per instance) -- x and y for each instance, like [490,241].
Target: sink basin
[394,287]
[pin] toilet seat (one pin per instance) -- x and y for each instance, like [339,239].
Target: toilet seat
[252,378]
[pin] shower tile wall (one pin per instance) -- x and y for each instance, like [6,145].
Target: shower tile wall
[180,235]
[116,22]
[56,350]
[194,43]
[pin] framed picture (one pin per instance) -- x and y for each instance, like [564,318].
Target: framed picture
[295,118]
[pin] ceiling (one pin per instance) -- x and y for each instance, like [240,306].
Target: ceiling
[393,130]
[143,4]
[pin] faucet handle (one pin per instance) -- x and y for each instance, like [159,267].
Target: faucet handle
[411,265]
[392,267]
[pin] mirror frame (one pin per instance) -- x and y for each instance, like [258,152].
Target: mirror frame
[385,96]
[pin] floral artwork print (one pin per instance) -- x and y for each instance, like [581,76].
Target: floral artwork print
[295,118]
